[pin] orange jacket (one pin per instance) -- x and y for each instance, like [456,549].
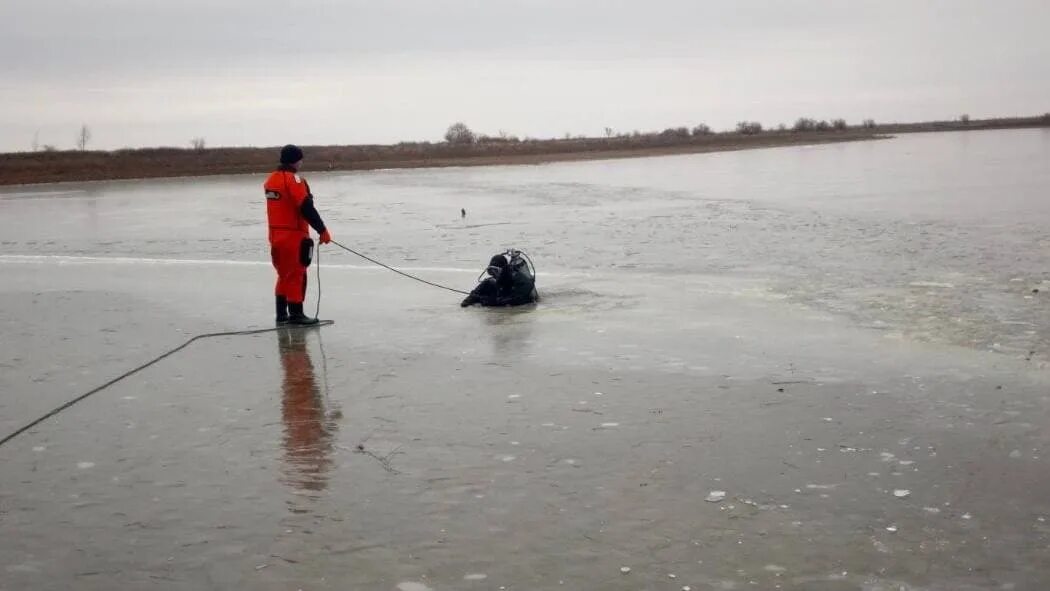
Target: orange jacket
[290,205]
[285,193]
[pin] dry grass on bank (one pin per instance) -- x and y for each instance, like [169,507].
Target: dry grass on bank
[59,166]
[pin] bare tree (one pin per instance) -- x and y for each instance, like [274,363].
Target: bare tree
[198,144]
[459,133]
[805,124]
[675,132]
[749,127]
[83,137]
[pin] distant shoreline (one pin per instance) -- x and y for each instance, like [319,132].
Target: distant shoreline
[30,168]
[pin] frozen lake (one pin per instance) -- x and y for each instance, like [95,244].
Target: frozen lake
[849,341]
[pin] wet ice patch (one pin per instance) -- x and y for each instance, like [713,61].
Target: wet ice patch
[932,284]
[773,568]
[85,465]
[715,496]
[22,568]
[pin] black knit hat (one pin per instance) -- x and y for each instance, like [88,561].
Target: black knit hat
[291,154]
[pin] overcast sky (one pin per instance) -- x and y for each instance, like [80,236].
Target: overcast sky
[264,73]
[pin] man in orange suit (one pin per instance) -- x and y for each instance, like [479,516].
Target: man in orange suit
[290,213]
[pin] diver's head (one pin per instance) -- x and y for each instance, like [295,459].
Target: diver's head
[496,264]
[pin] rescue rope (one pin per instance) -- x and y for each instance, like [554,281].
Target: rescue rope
[169,353]
[410,276]
[233,333]
[134,371]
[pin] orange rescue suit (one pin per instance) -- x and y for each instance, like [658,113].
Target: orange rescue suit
[286,192]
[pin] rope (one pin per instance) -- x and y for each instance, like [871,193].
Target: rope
[171,352]
[165,355]
[132,372]
[317,311]
[410,276]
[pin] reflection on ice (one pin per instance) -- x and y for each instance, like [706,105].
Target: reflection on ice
[308,431]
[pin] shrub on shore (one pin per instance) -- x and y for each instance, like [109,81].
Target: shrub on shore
[804,124]
[679,132]
[459,133]
[749,127]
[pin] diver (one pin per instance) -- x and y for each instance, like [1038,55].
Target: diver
[511,281]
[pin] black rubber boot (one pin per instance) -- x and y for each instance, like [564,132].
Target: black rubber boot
[282,310]
[296,316]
